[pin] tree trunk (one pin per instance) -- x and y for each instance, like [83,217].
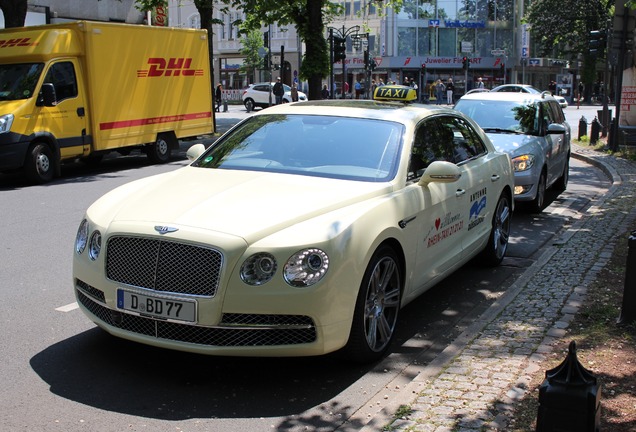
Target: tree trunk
[14,12]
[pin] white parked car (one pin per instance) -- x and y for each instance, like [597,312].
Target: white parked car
[527,88]
[258,95]
[302,231]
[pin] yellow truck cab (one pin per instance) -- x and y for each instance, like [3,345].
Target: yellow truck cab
[82,89]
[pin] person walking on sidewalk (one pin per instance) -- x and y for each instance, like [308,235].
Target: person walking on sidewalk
[278,91]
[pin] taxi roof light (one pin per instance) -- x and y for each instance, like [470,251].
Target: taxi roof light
[395,93]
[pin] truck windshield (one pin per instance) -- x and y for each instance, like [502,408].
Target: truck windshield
[17,81]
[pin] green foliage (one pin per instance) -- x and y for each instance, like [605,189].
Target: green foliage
[251,42]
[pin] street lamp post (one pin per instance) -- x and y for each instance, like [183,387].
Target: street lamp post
[342,34]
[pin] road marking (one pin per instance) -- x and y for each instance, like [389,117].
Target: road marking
[68,307]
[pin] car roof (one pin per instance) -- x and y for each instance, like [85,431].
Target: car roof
[526,87]
[380,110]
[508,96]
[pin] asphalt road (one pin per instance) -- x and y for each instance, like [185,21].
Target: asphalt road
[60,373]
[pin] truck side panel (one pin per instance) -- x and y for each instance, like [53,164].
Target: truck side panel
[145,80]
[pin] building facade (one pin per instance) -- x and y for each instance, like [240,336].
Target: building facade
[425,41]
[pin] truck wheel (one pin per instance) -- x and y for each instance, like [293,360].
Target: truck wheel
[377,306]
[39,166]
[160,151]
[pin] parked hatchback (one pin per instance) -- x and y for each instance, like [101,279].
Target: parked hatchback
[532,129]
[258,95]
[527,88]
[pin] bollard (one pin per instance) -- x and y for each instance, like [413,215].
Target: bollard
[628,310]
[582,127]
[596,130]
[569,398]
[224,105]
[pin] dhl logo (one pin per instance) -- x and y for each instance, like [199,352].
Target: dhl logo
[169,67]
[19,42]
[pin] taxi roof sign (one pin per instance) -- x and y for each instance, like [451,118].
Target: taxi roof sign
[395,93]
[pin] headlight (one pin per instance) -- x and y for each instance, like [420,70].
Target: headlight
[523,162]
[95,245]
[5,123]
[258,269]
[306,267]
[81,239]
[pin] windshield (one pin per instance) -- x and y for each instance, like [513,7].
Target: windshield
[17,81]
[322,146]
[502,116]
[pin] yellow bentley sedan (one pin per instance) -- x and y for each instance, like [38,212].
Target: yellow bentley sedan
[302,231]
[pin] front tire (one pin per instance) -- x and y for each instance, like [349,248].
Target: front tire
[39,166]
[497,245]
[377,306]
[537,205]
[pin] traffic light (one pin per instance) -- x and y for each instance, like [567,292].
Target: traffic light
[503,66]
[372,64]
[339,48]
[598,41]
[423,67]
[465,63]
[266,39]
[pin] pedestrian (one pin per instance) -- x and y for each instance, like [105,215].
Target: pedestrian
[374,86]
[480,83]
[324,93]
[294,93]
[218,97]
[358,88]
[552,87]
[439,91]
[278,91]
[580,96]
[450,88]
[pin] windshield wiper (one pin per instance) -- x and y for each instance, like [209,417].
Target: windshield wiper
[502,130]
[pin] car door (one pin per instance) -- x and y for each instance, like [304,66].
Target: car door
[555,144]
[443,213]
[481,182]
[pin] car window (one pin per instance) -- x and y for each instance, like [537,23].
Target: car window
[62,76]
[502,116]
[433,141]
[261,87]
[557,112]
[322,146]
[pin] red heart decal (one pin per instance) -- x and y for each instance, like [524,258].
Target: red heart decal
[438,221]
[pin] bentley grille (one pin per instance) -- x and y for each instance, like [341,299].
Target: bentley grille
[162,265]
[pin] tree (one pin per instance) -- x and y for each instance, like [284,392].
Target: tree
[309,17]
[565,35]
[250,45]
[14,12]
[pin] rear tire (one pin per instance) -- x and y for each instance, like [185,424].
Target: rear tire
[249,105]
[495,250]
[160,151]
[39,166]
[377,306]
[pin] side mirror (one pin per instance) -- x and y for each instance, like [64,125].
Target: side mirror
[47,95]
[195,151]
[556,128]
[440,172]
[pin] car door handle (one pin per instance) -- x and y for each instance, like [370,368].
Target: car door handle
[460,192]
[494,177]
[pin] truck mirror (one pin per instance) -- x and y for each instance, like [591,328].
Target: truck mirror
[47,95]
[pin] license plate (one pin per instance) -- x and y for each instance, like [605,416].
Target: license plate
[157,307]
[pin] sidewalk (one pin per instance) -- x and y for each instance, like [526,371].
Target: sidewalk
[473,384]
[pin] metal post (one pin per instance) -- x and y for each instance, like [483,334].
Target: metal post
[628,310]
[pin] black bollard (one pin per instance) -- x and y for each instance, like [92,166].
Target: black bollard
[569,398]
[628,310]
[582,127]
[596,130]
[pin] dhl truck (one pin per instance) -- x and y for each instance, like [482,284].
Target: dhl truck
[82,89]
